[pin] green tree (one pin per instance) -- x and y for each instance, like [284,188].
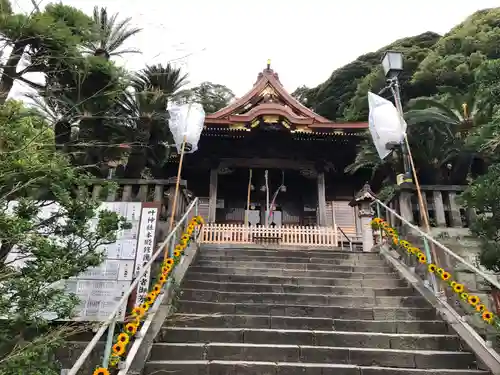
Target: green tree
[343,95]
[83,105]
[303,94]
[38,252]
[112,34]
[482,196]
[46,41]
[146,107]
[211,96]
[455,58]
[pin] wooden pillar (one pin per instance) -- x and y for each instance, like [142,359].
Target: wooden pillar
[212,200]
[321,199]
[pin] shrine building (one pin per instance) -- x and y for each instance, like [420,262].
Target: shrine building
[266,149]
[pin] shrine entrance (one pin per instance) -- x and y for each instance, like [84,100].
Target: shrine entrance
[291,197]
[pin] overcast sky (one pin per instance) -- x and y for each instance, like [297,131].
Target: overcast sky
[229,42]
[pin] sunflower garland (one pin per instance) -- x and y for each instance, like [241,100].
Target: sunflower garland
[139,312]
[473,301]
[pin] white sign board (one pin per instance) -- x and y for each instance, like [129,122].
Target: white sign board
[145,249]
[101,288]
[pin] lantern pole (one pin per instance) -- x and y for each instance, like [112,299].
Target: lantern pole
[176,193]
[177,183]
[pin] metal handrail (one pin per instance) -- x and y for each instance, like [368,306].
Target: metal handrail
[111,318]
[345,235]
[471,267]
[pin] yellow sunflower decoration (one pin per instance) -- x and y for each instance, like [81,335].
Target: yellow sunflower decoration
[487,317]
[123,338]
[473,300]
[157,288]
[138,311]
[118,349]
[169,261]
[101,371]
[131,328]
[458,288]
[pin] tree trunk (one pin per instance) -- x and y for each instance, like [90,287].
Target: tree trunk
[9,74]
[138,157]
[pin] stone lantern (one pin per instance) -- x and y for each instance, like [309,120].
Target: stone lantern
[363,200]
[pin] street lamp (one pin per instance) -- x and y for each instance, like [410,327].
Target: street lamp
[392,62]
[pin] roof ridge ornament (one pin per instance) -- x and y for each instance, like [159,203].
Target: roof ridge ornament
[268,64]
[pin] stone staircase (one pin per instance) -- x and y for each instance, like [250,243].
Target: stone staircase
[318,312]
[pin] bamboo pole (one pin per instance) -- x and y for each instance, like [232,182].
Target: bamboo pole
[176,193]
[423,209]
[248,196]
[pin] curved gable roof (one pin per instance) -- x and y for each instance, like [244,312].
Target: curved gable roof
[287,106]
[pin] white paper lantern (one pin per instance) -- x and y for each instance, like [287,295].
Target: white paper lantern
[387,126]
[186,122]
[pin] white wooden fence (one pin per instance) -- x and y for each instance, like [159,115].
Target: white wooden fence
[286,235]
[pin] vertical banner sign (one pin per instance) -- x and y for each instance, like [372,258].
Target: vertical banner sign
[145,247]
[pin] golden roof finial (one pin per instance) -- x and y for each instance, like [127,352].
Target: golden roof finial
[268,63]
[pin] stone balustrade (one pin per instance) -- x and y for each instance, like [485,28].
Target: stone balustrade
[445,212]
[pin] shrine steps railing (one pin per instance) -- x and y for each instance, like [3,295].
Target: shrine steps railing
[213,233]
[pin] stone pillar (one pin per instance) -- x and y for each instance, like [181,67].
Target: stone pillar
[439,208]
[321,199]
[456,218]
[363,200]
[212,200]
[405,206]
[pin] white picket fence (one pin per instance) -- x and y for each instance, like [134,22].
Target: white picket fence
[286,235]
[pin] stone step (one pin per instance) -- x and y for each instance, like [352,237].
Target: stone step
[302,299]
[206,256]
[275,309]
[308,323]
[422,359]
[206,367]
[320,253]
[310,338]
[295,266]
[299,280]
[307,289]
[293,273]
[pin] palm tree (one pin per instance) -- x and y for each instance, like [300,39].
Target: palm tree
[153,87]
[455,118]
[458,112]
[111,35]
[82,104]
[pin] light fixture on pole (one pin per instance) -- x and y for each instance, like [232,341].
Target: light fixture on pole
[388,128]
[392,62]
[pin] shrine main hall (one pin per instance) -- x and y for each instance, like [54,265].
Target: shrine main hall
[267,150]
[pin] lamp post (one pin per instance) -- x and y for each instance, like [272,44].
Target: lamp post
[392,62]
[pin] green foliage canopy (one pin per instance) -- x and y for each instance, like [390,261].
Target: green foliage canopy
[50,249]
